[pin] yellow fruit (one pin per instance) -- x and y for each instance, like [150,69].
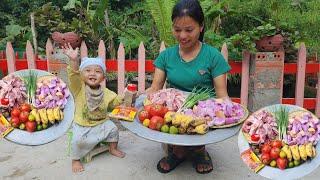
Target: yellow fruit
[295,152]
[273,163]
[302,152]
[169,116]
[50,116]
[36,114]
[43,116]
[309,150]
[287,150]
[185,121]
[282,154]
[146,122]
[182,130]
[197,121]
[56,113]
[201,129]
[61,115]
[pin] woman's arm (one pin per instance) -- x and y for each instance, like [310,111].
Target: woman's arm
[158,81]
[220,86]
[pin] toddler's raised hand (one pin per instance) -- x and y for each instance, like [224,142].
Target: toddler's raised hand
[69,51]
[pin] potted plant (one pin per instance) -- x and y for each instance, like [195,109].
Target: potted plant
[268,40]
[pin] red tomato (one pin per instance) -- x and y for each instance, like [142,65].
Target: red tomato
[153,123]
[255,137]
[15,112]
[274,153]
[31,126]
[164,111]
[266,148]
[143,115]
[282,163]
[265,158]
[23,116]
[15,122]
[158,120]
[276,143]
[147,108]
[25,107]
[4,101]
[156,110]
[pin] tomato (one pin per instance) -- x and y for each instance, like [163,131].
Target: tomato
[31,126]
[265,158]
[266,148]
[276,143]
[164,111]
[274,153]
[153,123]
[156,110]
[15,122]
[282,163]
[255,137]
[147,108]
[4,101]
[143,115]
[23,116]
[15,112]
[159,121]
[25,107]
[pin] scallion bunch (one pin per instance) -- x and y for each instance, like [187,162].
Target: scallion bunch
[282,117]
[30,82]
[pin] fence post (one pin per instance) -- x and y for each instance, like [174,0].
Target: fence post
[83,50]
[121,68]
[224,52]
[49,51]
[30,56]
[245,78]
[141,68]
[317,109]
[102,55]
[11,61]
[162,48]
[300,77]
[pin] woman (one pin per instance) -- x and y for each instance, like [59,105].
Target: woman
[185,66]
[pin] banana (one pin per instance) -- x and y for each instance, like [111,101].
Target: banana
[169,116]
[56,113]
[314,152]
[197,121]
[185,121]
[182,130]
[190,130]
[36,114]
[201,129]
[309,150]
[50,115]
[287,150]
[302,152]
[176,120]
[43,116]
[295,152]
[61,115]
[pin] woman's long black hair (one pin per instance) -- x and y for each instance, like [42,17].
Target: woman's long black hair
[192,9]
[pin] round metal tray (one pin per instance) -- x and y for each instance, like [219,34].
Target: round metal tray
[48,135]
[291,173]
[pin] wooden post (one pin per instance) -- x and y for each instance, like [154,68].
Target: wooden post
[49,51]
[224,52]
[301,73]
[30,56]
[34,34]
[317,110]
[141,68]
[102,55]
[11,61]
[162,48]
[83,50]
[245,78]
[121,68]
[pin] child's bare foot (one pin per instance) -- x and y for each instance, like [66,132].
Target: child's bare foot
[117,152]
[77,166]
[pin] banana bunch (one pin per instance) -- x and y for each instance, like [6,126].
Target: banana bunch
[299,152]
[47,115]
[186,123]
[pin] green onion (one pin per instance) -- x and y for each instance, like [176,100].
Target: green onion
[196,95]
[30,82]
[282,117]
